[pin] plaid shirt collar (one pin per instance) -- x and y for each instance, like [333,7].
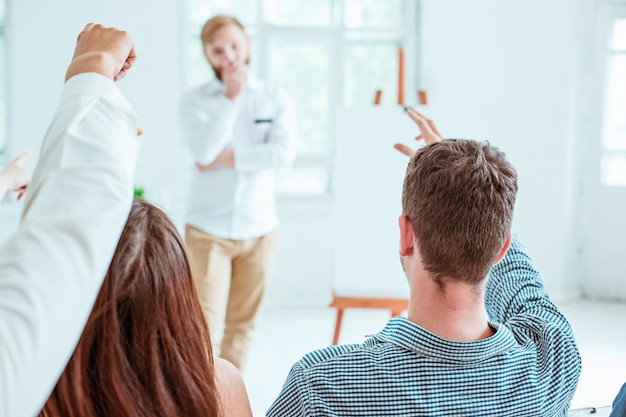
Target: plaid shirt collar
[408,335]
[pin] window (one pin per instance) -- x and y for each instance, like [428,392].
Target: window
[613,164]
[326,54]
[3,78]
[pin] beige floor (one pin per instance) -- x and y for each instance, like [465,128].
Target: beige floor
[284,334]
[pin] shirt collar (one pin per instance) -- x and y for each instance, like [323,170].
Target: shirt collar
[409,335]
[216,86]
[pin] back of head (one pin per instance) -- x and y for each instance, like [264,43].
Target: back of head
[216,23]
[145,350]
[459,197]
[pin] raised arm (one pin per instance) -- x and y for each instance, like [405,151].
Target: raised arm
[514,289]
[515,297]
[80,196]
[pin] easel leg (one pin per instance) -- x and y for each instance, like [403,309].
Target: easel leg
[338,325]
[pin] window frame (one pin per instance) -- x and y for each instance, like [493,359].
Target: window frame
[6,146]
[611,11]
[336,36]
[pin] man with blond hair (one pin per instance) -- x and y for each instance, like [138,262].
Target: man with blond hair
[239,128]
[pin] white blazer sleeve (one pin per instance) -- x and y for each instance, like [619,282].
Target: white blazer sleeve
[51,269]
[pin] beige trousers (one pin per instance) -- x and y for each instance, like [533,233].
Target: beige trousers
[231,277]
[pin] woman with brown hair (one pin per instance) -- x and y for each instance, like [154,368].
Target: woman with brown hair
[146,350]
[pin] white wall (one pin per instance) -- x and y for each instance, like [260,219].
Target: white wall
[603,224]
[303,271]
[512,67]
[42,37]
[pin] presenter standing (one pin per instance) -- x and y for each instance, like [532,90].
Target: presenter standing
[239,128]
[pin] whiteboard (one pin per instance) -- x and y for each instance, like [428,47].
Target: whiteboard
[367,189]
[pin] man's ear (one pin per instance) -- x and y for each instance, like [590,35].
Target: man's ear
[406,236]
[505,248]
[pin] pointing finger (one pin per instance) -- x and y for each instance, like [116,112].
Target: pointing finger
[20,159]
[403,149]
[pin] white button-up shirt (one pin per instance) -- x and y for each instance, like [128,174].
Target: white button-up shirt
[260,126]
[51,269]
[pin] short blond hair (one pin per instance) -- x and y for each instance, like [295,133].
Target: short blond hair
[216,23]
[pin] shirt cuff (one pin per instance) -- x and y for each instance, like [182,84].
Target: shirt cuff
[92,83]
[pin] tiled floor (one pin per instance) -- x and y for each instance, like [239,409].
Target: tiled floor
[284,334]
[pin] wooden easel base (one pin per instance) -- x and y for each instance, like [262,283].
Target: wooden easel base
[395,305]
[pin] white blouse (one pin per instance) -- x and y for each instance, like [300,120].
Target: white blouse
[51,269]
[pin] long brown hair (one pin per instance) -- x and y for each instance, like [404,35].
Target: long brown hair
[459,196]
[145,351]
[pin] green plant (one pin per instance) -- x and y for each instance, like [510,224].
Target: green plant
[140,192]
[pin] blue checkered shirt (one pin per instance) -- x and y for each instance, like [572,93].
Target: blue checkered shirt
[529,367]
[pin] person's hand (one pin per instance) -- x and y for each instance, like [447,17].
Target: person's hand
[14,177]
[428,132]
[225,160]
[107,51]
[234,78]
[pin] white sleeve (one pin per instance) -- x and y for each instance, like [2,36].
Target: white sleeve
[280,147]
[208,124]
[51,269]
